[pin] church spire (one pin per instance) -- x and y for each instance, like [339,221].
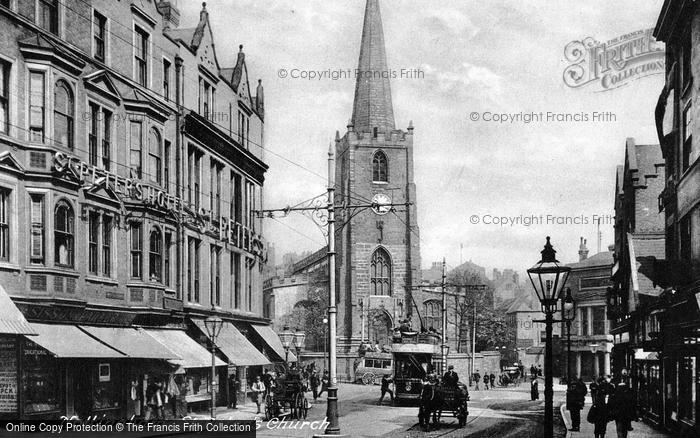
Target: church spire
[372,107]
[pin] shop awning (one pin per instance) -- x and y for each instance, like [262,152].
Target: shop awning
[12,321]
[235,346]
[192,355]
[645,355]
[272,339]
[68,341]
[134,343]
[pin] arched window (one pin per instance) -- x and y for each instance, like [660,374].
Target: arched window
[63,115]
[433,314]
[380,167]
[64,235]
[380,273]
[155,255]
[154,155]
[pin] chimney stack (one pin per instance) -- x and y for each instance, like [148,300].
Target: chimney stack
[582,250]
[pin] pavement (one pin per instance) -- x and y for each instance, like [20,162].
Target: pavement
[641,429]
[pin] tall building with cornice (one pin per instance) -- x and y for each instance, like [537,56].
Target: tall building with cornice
[378,250]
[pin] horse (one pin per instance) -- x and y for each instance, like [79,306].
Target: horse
[431,401]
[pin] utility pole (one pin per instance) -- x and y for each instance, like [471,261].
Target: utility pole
[473,338]
[332,408]
[443,346]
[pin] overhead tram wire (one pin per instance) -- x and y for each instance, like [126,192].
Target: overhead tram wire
[180,106]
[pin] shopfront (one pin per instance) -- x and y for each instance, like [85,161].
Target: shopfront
[648,385]
[245,361]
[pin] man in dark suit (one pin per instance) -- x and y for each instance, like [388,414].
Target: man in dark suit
[450,378]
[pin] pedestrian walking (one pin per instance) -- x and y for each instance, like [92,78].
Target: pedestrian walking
[492,380]
[233,385]
[575,399]
[486,380]
[258,392]
[314,381]
[477,379]
[324,383]
[599,414]
[386,380]
[534,389]
[622,408]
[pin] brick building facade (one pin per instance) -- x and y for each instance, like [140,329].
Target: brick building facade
[131,165]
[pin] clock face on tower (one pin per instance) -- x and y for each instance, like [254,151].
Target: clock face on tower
[382,204]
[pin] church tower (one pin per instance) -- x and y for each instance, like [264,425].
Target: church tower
[378,250]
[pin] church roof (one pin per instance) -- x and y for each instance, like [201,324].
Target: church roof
[372,107]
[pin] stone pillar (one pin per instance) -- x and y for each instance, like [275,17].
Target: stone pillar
[606,366]
[596,365]
[578,364]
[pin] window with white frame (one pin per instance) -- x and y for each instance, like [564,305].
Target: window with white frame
[155,156]
[63,114]
[5,213]
[47,15]
[64,235]
[36,239]
[99,136]
[37,106]
[99,36]
[136,250]
[5,96]
[141,54]
[155,255]
[135,147]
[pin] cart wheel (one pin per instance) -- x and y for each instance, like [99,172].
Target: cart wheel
[268,412]
[368,379]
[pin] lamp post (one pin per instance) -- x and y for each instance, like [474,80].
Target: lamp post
[568,314]
[299,338]
[325,342]
[548,277]
[286,338]
[213,325]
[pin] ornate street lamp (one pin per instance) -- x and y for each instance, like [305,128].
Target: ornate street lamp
[286,338]
[568,313]
[548,277]
[213,324]
[299,338]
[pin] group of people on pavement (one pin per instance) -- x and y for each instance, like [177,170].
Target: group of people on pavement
[613,400]
[488,379]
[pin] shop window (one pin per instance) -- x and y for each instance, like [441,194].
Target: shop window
[63,115]
[64,235]
[380,166]
[106,391]
[36,243]
[47,15]
[136,249]
[99,31]
[37,105]
[380,273]
[687,389]
[41,380]
[5,96]
[155,156]
[155,255]
[5,224]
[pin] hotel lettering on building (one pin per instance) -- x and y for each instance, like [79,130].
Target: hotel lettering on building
[131,168]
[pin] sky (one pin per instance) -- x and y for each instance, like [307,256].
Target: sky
[476,57]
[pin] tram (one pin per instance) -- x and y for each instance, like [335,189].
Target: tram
[413,355]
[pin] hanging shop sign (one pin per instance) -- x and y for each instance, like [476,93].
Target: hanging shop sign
[8,376]
[226,229]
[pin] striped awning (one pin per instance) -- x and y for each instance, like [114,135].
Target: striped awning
[12,321]
[235,346]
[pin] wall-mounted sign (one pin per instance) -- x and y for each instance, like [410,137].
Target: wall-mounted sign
[228,230]
[105,372]
[8,375]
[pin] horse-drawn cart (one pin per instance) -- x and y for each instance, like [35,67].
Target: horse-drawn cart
[437,399]
[288,394]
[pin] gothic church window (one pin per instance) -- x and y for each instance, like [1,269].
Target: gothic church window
[433,316]
[380,167]
[380,273]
